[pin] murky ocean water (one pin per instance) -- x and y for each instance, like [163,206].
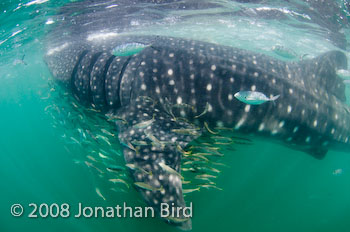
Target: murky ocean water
[53,151]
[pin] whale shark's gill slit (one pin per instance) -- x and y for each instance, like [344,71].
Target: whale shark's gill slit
[93,61]
[74,72]
[121,76]
[104,76]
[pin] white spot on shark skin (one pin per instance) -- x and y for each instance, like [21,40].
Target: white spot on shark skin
[316,105]
[192,76]
[209,87]
[240,123]
[256,74]
[219,124]
[234,67]
[315,123]
[308,139]
[143,63]
[142,74]
[247,108]
[179,100]
[295,130]
[291,91]
[158,90]
[332,131]
[281,124]
[253,88]
[289,109]
[171,55]
[230,97]
[213,67]
[261,127]
[274,132]
[170,72]
[155,70]
[143,87]
[171,82]
[210,108]
[336,116]
[182,113]
[232,79]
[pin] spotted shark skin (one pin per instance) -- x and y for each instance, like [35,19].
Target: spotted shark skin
[173,81]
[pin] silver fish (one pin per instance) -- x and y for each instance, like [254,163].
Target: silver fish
[284,52]
[254,97]
[169,169]
[147,186]
[100,194]
[128,49]
[144,124]
[344,74]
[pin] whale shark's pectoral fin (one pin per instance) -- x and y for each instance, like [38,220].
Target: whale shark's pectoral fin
[152,145]
[317,152]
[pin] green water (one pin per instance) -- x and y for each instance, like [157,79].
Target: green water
[266,187]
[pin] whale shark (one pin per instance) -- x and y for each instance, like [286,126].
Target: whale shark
[175,90]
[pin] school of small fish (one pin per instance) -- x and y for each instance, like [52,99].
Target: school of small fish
[99,151]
